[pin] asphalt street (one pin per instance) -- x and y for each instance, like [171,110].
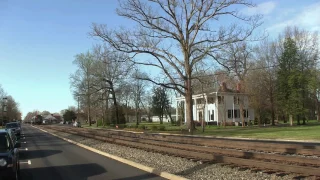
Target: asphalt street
[45,157]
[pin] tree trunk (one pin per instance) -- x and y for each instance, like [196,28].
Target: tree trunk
[318,112]
[115,106]
[298,119]
[272,110]
[160,118]
[89,110]
[103,112]
[259,117]
[107,109]
[169,114]
[291,120]
[189,111]
[181,113]
[136,113]
[241,111]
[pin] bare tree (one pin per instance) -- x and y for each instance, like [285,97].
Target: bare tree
[125,97]
[177,35]
[263,79]
[237,58]
[82,80]
[112,71]
[13,111]
[138,92]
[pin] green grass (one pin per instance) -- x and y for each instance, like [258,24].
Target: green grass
[311,131]
[307,132]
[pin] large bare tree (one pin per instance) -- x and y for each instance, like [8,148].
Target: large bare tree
[175,35]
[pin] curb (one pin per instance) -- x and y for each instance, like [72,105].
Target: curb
[122,160]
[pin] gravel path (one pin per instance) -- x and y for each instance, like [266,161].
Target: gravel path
[175,165]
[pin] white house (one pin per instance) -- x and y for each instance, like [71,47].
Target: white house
[219,105]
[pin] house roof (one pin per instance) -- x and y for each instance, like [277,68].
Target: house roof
[212,94]
[50,117]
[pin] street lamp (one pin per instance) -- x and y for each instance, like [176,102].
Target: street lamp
[4,108]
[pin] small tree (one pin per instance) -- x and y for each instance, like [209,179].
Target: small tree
[160,102]
[69,115]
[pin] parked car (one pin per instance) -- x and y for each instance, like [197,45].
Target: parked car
[14,138]
[77,124]
[9,156]
[14,126]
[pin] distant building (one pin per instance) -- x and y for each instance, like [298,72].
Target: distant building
[164,119]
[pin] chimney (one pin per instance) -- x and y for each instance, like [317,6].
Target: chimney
[238,87]
[224,86]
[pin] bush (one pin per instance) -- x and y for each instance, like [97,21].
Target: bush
[142,127]
[161,128]
[100,123]
[154,128]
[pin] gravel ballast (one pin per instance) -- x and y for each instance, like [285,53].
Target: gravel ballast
[175,165]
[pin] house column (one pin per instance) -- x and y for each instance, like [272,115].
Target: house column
[195,105]
[185,114]
[207,114]
[177,110]
[216,111]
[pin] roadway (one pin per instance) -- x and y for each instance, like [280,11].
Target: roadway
[46,157]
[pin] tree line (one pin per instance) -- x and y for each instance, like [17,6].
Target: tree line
[109,87]
[11,111]
[193,52]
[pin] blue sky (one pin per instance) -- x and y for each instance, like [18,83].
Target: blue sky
[39,39]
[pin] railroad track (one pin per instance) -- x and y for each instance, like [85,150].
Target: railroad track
[254,155]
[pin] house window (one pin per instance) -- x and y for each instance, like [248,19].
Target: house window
[230,115]
[220,99]
[245,113]
[212,115]
[237,113]
[234,113]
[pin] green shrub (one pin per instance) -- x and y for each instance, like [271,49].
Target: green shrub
[154,128]
[142,127]
[100,122]
[161,127]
